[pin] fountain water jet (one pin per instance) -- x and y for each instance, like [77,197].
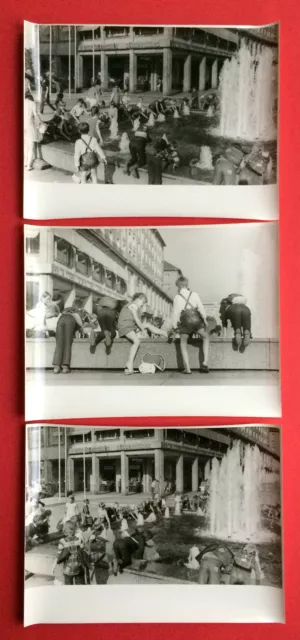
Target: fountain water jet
[234,506]
[248,94]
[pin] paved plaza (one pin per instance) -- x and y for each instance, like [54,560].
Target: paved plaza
[108,377]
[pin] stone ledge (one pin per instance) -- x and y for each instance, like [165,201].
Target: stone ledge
[261,355]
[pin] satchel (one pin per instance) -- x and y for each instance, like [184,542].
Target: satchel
[191,318]
[89,159]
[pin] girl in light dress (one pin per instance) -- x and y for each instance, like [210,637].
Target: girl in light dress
[32,134]
[192,563]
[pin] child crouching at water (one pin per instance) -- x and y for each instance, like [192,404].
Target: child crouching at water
[130,323]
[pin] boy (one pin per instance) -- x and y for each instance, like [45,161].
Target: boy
[87,155]
[72,555]
[189,316]
[106,312]
[235,309]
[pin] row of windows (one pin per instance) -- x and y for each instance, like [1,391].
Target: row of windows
[67,254]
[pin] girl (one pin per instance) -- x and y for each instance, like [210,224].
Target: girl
[130,323]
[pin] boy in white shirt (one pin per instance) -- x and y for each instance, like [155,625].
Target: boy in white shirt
[87,155]
[189,316]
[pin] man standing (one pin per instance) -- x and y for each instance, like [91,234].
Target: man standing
[45,91]
[189,317]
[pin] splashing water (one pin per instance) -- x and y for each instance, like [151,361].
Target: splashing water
[248,94]
[234,506]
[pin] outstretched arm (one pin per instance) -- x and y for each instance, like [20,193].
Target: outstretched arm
[156,330]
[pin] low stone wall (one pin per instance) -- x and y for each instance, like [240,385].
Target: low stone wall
[61,156]
[261,355]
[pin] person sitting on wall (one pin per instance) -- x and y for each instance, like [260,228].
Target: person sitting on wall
[43,318]
[189,317]
[78,110]
[106,311]
[130,323]
[246,567]
[235,309]
[227,166]
[213,559]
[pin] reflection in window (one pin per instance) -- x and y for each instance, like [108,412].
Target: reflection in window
[63,252]
[107,434]
[33,245]
[82,263]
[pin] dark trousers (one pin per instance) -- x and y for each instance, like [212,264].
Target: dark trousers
[210,571]
[107,321]
[137,155]
[239,316]
[101,575]
[71,580]
[154,166]
[65,331]
[45,99]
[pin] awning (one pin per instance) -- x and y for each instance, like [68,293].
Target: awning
[89,27]
[78,431]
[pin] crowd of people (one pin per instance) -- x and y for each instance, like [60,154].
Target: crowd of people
[130,320]
[91,549]
[84,123]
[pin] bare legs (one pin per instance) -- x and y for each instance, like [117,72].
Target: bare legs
[132,337]
[184,350]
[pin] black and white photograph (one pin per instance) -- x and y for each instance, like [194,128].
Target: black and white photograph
[149,105]
[152,506]
[185,315]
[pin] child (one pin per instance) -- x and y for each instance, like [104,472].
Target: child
[88,154]
[130,323]
[192,562]
[235,309]
[72,555]
[71,319]
[78,110]
[189,317]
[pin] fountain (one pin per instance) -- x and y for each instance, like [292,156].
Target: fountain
[248,94]
[234,506]
[205,161]
[124,143]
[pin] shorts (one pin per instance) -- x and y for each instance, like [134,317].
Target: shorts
[185,329]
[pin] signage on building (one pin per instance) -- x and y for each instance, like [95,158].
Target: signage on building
[111,47]
[85,283]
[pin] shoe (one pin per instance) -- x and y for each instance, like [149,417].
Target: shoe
[204,369]
[238,337]
[247,337]
[234,345]
[108,339]
[186,371]
[66,369]
[56,370]
[93,343]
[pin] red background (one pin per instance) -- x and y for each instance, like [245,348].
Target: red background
[11,338]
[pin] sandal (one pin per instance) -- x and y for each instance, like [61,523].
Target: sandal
[204,369]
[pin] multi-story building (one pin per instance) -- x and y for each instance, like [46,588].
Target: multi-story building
[90,263]
[126,460]
[171,274]
[142,58]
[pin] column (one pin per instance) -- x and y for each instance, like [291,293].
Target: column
[95,479]
[179,474]
[132,71]
[159,469]
[118,475]
[202,74]
[167,70]
[70,297]
[48,471]
[195,475]
[71,478]
[214,74]
[187,70]
[104,70]
[124,473]
[88,305]
[79,82]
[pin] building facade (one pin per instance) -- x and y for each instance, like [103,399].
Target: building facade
[90,263]
[126,460]
[143,58]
